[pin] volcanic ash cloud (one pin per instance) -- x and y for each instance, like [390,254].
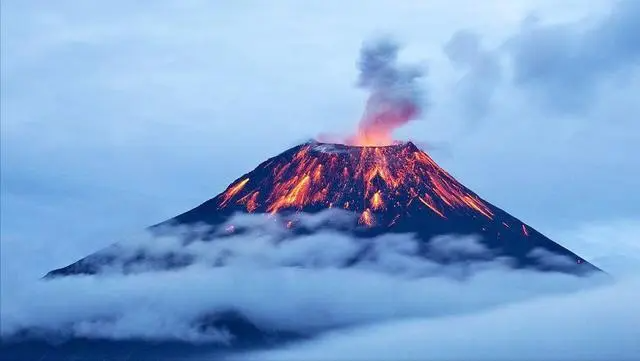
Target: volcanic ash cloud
[395,95]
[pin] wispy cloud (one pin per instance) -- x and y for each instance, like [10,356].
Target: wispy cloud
[595,325]
[561,66]
[270,281]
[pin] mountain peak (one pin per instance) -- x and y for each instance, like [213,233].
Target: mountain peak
[383,180]
[390,189]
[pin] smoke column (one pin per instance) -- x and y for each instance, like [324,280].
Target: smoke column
[394,93]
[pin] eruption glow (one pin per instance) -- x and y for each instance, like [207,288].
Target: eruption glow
[394,94]
[366,180]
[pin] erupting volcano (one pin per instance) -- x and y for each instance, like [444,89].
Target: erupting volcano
[382,184]
[391,187]
[395,97]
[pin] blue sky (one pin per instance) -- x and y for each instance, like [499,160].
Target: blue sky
[116,116]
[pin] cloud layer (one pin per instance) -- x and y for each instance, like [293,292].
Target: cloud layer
[597,324]
[271,282]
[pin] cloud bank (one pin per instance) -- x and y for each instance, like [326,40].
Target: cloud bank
[596,324]
[270,281]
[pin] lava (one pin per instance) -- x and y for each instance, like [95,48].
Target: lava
[429,203]
[366,218]
[293,193]
[376,201]
[233,190]
[387,189]
[366,180]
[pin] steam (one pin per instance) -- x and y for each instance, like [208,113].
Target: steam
[394,92]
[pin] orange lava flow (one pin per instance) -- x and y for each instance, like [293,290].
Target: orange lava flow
[371,181]
[294,193]
[376,201]
[233,190]
[431,206]
[366,218]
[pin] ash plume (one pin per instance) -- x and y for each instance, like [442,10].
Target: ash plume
[395,96]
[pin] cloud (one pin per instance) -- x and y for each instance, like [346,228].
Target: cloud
[562,66]
[482,72]
[169,305]
[562,104]
[270,281]
[598,324]
[566,63]
[317,240]
[551,259]
[452,247]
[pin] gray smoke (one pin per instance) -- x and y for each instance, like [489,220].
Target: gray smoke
[395,95]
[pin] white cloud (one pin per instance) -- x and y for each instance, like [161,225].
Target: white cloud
[551,259]
[458,247]
[272,282]
[597,324]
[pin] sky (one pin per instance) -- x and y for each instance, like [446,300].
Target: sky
[118,115]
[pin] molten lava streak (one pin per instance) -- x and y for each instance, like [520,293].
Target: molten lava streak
[376,201]
[366,218]
[366,180]
[233,190]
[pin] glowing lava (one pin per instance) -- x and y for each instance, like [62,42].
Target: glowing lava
[366,218]
[391,189]
[367,180]
[233,190]
[380,119]
[376,201]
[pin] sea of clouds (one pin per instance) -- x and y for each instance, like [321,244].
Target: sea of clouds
[390,303]
[595,324]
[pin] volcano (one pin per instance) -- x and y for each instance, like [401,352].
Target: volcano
[388,189]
